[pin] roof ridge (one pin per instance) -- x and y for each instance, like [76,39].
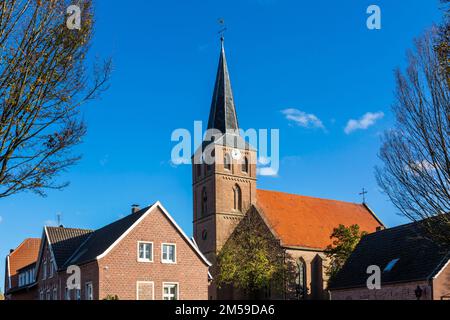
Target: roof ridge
[310,197]
[401,226]
[127,216]
[69,228]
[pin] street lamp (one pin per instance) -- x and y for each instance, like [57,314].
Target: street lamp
[418,292]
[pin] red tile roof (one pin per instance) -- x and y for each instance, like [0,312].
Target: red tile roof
[25,254]
[308,222]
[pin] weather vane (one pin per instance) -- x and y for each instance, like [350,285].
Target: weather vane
[363,193]
[223,28]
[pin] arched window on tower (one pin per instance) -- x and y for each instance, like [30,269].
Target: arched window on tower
[245,165]
[204,200]
[211,161]
[301,288]
[227,161]
[237,198]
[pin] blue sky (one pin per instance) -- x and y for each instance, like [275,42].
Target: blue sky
[316,57]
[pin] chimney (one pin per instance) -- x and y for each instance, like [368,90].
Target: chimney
[135,208]
[11,250]
[379,228]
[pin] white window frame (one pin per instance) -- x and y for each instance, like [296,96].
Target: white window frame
[55,294]
[67,293]
[171,284]
[174,253]
[137,288]
[139,259]
[48,295]
[41,295]
[86,294]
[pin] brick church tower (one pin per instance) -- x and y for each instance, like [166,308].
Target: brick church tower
[224,188]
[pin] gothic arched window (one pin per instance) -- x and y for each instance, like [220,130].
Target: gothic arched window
[301,279]
[204,200]
[245,165]
[237,198]
[211,162]
[227,161]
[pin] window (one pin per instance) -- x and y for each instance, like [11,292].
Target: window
[245,165]
[227,162]
[51,269]
[41,295]
[168,253]
[44,270]
[204,202]
[199,170]
[89,291]
[170,291]
[237,198]
[55,294]
[77,294]
[301,279]
[144,290]
[145,251]
[48,296]
[67,294]
[211,161]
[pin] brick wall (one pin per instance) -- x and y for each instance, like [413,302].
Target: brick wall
[441,284]
[401,291]
[120,270]
[212,229]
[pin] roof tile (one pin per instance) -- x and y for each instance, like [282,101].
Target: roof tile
[308,222]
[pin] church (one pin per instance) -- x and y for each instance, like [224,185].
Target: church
[224,191]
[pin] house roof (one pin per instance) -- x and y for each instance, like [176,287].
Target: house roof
[64,241]
[101,239]
[99,242]
[24,255]
[301,221]
[404,250]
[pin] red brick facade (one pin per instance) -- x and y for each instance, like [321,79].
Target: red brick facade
[117,272]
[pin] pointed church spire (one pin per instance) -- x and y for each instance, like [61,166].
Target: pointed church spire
[223,113]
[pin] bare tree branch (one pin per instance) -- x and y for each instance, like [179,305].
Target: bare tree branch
[43,82]
[416,172]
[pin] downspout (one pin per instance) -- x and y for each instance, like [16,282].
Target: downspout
[9,274]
